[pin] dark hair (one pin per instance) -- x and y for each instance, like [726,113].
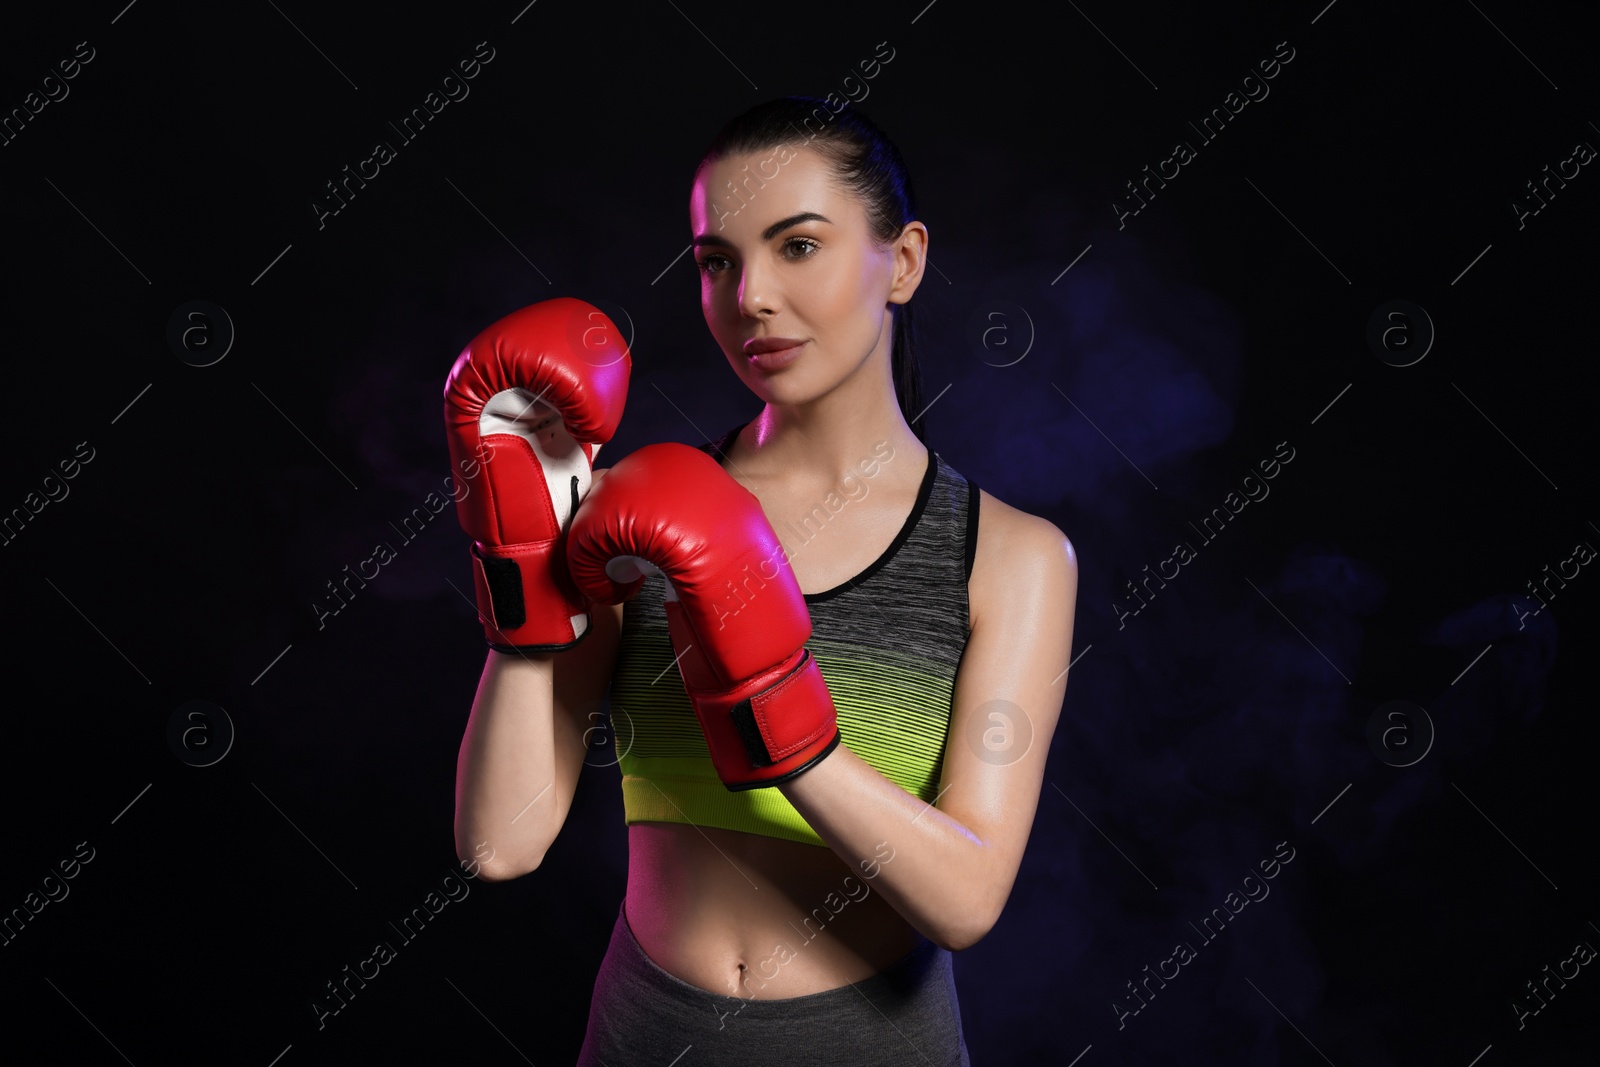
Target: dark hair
[867,163]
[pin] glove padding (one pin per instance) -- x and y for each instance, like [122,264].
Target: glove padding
[737,619]
[532,398]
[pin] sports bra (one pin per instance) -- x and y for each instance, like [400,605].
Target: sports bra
[887,642]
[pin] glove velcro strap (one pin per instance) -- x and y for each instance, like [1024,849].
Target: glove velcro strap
[793,715]
[501,580]
[511,579]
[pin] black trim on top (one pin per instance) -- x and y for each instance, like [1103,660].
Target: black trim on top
[718,448]
[972,529]
[923,493]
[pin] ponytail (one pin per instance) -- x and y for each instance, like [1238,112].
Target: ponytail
[907,376]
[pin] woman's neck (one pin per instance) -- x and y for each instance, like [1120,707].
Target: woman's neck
[822,442]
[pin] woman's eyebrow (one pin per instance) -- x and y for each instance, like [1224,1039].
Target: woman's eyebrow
[766,234]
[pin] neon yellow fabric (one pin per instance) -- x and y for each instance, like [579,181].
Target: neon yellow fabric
[894,712]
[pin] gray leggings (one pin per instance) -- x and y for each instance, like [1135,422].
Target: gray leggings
[642,1016]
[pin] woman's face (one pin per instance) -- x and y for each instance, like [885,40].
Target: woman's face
[791,257]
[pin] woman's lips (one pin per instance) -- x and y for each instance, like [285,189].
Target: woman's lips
[782,357]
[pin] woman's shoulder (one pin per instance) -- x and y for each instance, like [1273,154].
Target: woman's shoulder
[1018,555]
[1004,529]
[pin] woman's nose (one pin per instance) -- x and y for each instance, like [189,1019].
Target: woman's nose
[757,291]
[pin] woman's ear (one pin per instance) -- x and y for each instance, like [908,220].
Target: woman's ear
[910,260]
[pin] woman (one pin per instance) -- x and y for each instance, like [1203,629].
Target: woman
[811,921]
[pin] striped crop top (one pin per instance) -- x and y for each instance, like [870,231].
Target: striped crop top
[887,642]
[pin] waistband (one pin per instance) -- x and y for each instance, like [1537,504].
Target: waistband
[899,981]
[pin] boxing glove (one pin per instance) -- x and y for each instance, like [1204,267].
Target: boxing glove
[737,619]
[527,406]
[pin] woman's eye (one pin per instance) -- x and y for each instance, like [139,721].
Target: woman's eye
[794,248]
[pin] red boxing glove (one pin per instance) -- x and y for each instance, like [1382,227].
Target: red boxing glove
[733,606]
[532,398]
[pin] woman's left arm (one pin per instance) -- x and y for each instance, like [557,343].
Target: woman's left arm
[953,864]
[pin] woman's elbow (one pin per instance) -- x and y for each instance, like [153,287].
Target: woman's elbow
[965,930]
[502,869]
[962,933]
[493,864]
[961,937]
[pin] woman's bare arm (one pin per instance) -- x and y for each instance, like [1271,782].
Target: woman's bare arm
[524,746]
[948,869]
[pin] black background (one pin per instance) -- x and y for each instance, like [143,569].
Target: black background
[1231,314]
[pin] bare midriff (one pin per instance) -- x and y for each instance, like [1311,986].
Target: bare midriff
[750,916]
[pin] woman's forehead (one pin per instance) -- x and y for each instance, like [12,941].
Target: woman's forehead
[749,192]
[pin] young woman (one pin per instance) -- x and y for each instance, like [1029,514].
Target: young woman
[811,920]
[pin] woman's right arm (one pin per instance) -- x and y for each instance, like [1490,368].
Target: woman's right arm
[524,748]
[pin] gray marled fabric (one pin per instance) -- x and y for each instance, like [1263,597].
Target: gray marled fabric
[642,1015]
